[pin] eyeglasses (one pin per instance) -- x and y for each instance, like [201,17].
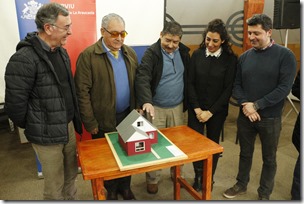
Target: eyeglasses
[66,28]
[115,34]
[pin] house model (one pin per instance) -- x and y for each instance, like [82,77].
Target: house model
[136,134]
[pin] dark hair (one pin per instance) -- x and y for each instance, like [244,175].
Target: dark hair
[173,28]
[260,19]
[48,13]
[218,26]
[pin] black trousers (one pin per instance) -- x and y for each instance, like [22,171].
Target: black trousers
[119,184]
[296,183]
[213,128]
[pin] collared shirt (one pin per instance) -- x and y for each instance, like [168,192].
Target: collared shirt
[108,50]
[214,54]
[170,55]
[45,46]
[268,46]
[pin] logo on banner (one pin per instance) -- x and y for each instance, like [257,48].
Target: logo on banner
[30,10]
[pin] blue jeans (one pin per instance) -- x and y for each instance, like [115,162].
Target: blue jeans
[269,131]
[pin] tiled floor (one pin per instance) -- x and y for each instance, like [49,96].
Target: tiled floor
[19,180]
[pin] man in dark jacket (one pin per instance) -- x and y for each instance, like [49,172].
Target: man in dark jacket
[40,97]
[296,140]
[264,78]
[160,85]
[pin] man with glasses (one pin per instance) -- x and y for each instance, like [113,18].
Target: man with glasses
[67,28]
[40,96]
[104,78]
[160,85]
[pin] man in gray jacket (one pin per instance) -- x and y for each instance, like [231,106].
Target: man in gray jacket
[40,97]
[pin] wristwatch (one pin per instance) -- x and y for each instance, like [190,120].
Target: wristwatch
[256,106]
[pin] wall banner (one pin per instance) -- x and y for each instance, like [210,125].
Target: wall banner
[83,15]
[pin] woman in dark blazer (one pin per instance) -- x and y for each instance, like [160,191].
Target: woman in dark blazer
[211,76]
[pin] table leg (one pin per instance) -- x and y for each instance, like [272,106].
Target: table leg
[176,183]
[94,190]
[207,178]
[98,189]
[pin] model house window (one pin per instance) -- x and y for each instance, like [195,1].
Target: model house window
[151,135]
[139,146]
[140,123]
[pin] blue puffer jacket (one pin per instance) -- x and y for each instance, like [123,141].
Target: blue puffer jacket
[33,96]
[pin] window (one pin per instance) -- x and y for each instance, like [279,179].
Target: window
[140,146]
[140,123]
[151,135]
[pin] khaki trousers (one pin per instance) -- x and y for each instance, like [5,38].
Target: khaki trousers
[59,168]
[165,117]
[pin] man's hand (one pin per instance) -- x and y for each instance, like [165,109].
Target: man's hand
[250,112]
[148,107]
[254,117]
[94,131]
[248,108]
[140,111]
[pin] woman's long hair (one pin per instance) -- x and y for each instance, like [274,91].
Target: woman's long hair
[218,26]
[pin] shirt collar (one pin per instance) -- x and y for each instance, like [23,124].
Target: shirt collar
[106,48]
[45,46]
[268,46]
[216,54]
[171,55]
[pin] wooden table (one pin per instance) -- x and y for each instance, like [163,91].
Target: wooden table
[98,163]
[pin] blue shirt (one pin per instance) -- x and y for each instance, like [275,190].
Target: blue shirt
[169,91]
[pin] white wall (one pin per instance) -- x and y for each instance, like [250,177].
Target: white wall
[9,38]
[143,18]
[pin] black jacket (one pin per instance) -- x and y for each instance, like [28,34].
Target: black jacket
[296,135]
[211,81]
[149,73]
[33,96]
